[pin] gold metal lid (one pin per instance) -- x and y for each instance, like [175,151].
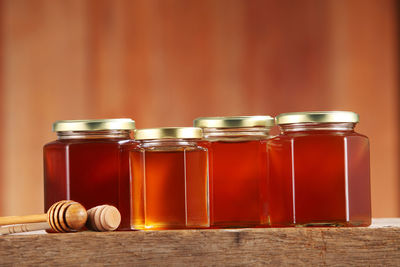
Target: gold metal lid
[234,122]
[317,117]
[93,125]
[169,133]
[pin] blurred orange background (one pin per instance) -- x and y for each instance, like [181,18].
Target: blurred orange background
[166,62]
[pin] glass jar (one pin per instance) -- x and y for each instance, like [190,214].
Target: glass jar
[170,179]
[238,169]
[319,171]
[89,163]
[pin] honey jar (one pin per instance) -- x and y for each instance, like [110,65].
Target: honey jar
[238,169]
[319,173]
[89,163]
[170,179]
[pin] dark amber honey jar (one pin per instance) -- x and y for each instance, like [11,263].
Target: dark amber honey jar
[238,169]
[170,179]
[319,171]
[89,163]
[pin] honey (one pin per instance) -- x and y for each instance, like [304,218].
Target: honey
[170,180]
[89,163]
[319,171]
[238,169]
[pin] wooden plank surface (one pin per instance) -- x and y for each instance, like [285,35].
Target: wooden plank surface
[375,245]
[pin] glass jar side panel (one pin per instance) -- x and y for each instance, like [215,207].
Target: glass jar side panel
[169,189]
[359,191]
[319,179]
[55,174]
[280,182]
[263,184]
[137,158]
[165,189]
[124,184]
[196,172]
[93,173]
[236,173]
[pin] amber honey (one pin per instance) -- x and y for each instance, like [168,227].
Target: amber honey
[170,180]
[238,170]
[319,174]
[91,167]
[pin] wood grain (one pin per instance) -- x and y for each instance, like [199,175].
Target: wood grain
[164,63]
[372,246]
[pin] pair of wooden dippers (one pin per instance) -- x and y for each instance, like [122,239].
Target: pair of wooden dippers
[64,216]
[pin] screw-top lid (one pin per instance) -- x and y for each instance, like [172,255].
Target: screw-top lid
[234,122]
[317,117]
[93,125]
[169,133]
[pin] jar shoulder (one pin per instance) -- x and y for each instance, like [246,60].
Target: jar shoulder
[58,144]
[312,135]
[54,144]
[183,148]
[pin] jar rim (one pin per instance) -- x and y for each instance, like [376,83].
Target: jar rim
[317,117]
[234,121]
[94,125]
[169,133]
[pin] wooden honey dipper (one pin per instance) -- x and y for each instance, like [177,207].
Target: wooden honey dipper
[103,218]
[100,218]
[63,216]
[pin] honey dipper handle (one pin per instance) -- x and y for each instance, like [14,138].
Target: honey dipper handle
[23,219]
[20,228]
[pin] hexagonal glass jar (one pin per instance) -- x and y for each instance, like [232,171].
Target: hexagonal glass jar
[170,179]
[238,169]
[319,171]
[89,163]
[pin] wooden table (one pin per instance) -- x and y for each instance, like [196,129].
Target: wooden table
[375,245]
